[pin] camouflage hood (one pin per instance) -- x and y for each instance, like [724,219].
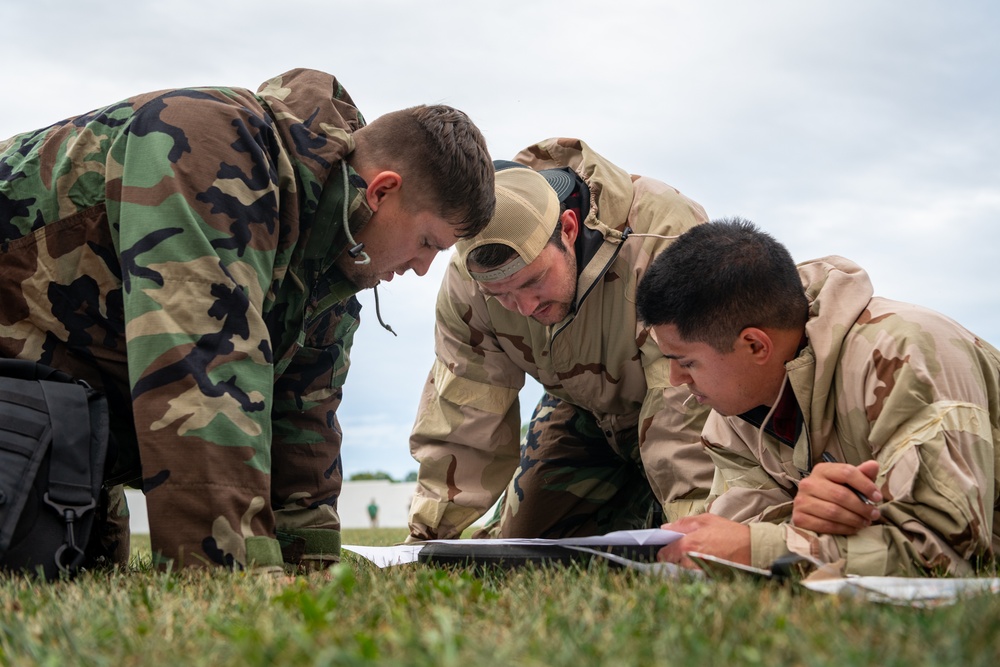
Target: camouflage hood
[316,136]
[839,291]
[610,186]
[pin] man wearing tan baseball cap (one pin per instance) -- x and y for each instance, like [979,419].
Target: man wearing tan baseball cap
[529,226]
[547,289]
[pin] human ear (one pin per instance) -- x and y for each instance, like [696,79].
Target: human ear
[383,184]
[758,343]
[570,226]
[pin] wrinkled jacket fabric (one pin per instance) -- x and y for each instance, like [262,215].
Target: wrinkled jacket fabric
[176,250]
[881,380]
[466,436]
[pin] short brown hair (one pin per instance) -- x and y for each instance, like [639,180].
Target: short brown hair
[442,157]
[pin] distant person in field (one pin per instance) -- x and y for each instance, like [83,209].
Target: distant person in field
[373,513]
[845,427]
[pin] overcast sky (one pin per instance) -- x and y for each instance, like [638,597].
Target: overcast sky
[865,128]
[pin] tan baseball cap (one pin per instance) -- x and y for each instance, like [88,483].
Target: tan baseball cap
[526,214]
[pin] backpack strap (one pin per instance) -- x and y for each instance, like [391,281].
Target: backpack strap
[70,476]
[19,368]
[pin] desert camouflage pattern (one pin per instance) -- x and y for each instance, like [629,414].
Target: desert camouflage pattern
[882,380]
[176,250]
[599,359]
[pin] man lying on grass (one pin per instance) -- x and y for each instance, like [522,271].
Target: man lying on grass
[845,427]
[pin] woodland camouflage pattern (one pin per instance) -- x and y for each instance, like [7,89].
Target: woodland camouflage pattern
[176,250]
[599,360]
[882,380]
[570,482]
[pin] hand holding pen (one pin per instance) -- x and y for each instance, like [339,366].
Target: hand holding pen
[838,498]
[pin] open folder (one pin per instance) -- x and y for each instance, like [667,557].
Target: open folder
[633,545]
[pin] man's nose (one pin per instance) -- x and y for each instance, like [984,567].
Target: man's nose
[422,262]
[678,375]
[526,305]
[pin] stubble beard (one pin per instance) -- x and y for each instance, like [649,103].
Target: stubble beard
[557,314]
[560,310]
[362,276]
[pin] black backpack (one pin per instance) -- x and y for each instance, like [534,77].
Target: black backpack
[53,445]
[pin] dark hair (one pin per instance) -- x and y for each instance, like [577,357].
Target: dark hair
[443,159]
[492,255]
[718,279]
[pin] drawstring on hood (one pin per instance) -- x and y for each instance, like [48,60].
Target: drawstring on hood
[628,232]
[356,248]
[378,314]
[770,413]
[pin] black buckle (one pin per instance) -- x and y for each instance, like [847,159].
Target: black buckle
[69,556]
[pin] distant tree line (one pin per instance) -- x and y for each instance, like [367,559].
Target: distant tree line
[378,474]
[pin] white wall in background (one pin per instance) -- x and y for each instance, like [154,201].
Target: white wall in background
[393,499]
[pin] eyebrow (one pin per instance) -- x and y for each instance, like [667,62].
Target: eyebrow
[527,283]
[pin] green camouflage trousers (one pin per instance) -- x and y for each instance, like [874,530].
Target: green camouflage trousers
[573,480]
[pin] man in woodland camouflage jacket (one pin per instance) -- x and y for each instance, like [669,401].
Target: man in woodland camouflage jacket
[562,310]
[847,428]
[194,253]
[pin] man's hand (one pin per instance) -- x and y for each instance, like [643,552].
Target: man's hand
[708,534]
[826,501]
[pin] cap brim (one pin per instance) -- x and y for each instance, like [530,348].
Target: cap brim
[501,165]
[559,179]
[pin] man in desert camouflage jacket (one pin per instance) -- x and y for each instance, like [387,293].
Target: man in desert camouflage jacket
[194,253]
[847,428]
[550,293]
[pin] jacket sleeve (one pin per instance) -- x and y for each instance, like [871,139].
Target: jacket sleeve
[677,465]
[466,435]
[937,478]
[307,476]
[934,438]
[742,489]
[679,469]
[192,194]
[931,422]
[935,519]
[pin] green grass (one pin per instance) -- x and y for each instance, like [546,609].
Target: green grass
[414,615]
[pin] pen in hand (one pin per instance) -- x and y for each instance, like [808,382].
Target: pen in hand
[829,458]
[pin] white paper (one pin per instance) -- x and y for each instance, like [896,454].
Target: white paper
[387,556]
[408,553]
[666,570]
[912,591]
